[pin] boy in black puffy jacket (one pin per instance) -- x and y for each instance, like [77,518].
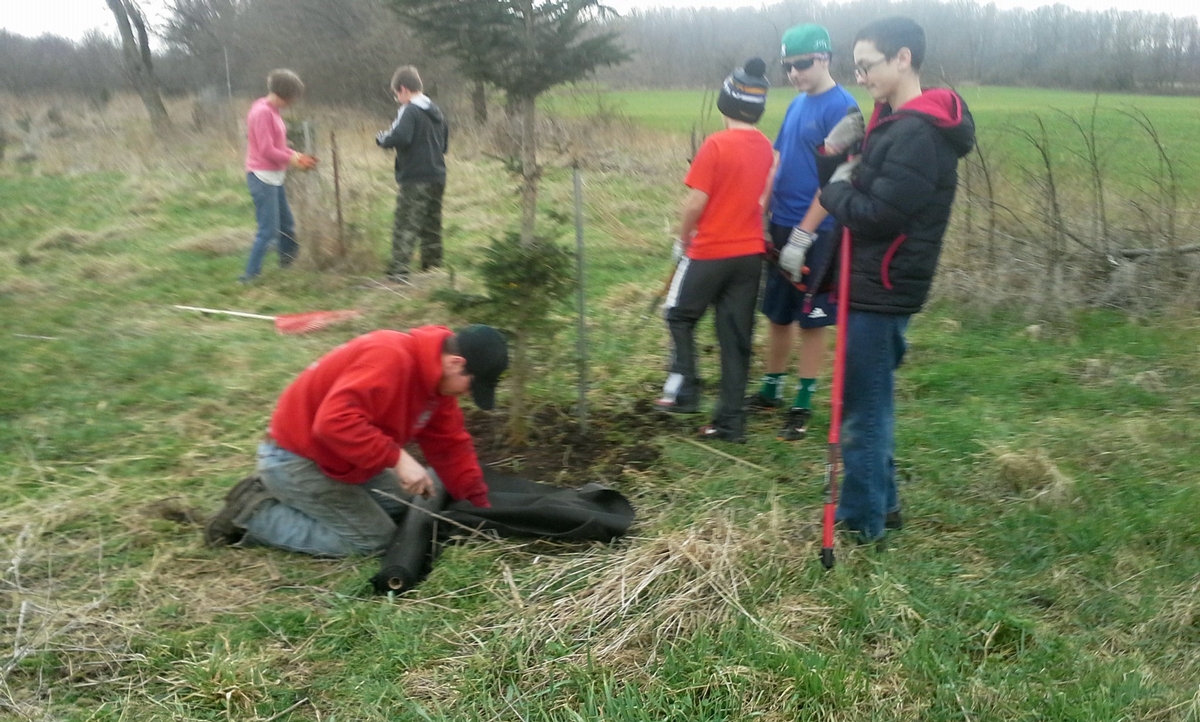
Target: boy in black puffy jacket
[895,198]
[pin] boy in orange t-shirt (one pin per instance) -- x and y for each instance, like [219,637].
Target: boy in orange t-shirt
[720,251]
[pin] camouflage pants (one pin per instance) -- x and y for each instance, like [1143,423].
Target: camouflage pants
[418,221]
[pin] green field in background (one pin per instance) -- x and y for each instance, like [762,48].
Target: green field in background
[1000,113]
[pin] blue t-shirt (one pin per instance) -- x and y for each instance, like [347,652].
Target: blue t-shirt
[808,120]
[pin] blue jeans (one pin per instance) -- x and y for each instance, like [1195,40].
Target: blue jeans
[874,349]
[314,514]
[276,225]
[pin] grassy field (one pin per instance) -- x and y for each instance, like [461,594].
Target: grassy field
[1048,569]
[1001,114]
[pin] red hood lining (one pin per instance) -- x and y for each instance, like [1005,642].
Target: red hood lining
[940,106]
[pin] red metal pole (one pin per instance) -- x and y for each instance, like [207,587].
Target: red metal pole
[833,461]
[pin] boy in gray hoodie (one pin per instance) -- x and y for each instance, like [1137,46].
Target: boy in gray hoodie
[420,136]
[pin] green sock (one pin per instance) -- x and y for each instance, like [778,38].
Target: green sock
[804,393]
[772,386]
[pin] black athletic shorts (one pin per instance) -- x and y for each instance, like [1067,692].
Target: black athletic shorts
[783,304]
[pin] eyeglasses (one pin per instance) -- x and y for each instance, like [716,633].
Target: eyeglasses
[861,70]
[799,65]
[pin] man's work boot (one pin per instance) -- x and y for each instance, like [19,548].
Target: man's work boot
[228,525]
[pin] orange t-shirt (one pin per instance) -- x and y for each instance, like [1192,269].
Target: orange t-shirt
[732,168]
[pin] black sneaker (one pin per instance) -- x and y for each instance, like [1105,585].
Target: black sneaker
[856,537]
[758,402]
[893,521]
[796,426]
[224,528]
[711,433]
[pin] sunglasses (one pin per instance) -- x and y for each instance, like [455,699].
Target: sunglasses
[799,65]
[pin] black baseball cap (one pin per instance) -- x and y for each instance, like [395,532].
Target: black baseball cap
[486,353]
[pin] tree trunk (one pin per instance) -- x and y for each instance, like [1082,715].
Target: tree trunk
[137,56]
[529,169]
[479,101]
[527,107]
[529,188]
[518,432]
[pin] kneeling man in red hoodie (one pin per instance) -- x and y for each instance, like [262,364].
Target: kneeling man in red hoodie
[338,434]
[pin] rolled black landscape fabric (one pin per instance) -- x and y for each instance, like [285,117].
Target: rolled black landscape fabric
[520,508]
[409,555]
[523,508]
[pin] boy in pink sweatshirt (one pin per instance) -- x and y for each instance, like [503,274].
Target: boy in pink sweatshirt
[267,160]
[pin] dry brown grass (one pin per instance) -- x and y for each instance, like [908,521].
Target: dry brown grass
[73,240]
[17,286]
[218,242]
[622,611]
[118,138]
[633,602]
[1031,474]
[67,603]
[1015,264]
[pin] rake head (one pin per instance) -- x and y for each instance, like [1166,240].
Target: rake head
[312,321]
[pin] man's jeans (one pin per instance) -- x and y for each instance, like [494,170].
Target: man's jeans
[314,514]
[874,349]
[276,225]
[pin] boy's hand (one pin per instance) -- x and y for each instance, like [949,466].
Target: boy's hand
[380,137]
[791,258]
[848,133]
[413,477]
[678,248]
[844,171]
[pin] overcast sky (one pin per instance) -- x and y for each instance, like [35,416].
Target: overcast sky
[73,18]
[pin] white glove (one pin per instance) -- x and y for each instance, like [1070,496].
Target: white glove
[844,171]
[380,137]
[791,258]
[848,133]
[677,250]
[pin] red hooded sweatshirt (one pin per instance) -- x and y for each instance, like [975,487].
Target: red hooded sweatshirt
[354,409]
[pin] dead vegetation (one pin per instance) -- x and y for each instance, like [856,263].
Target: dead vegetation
[1048,224]
[623,610]
[218,242]
[1032,475]
[80,616]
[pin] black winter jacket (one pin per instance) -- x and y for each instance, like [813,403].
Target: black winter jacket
[420,136]
[897,203]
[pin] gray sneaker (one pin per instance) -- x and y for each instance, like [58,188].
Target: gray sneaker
[227,526]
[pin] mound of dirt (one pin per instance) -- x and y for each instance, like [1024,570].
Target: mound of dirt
[559,452]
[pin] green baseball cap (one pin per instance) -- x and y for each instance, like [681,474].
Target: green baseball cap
[805,40]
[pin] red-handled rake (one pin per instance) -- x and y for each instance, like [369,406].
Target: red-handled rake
[833,463]
[287,323]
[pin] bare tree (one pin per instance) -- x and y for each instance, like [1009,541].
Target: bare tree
[203,30]
[139,60]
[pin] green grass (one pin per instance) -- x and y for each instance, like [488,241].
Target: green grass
[1000,114]
[1047,571]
